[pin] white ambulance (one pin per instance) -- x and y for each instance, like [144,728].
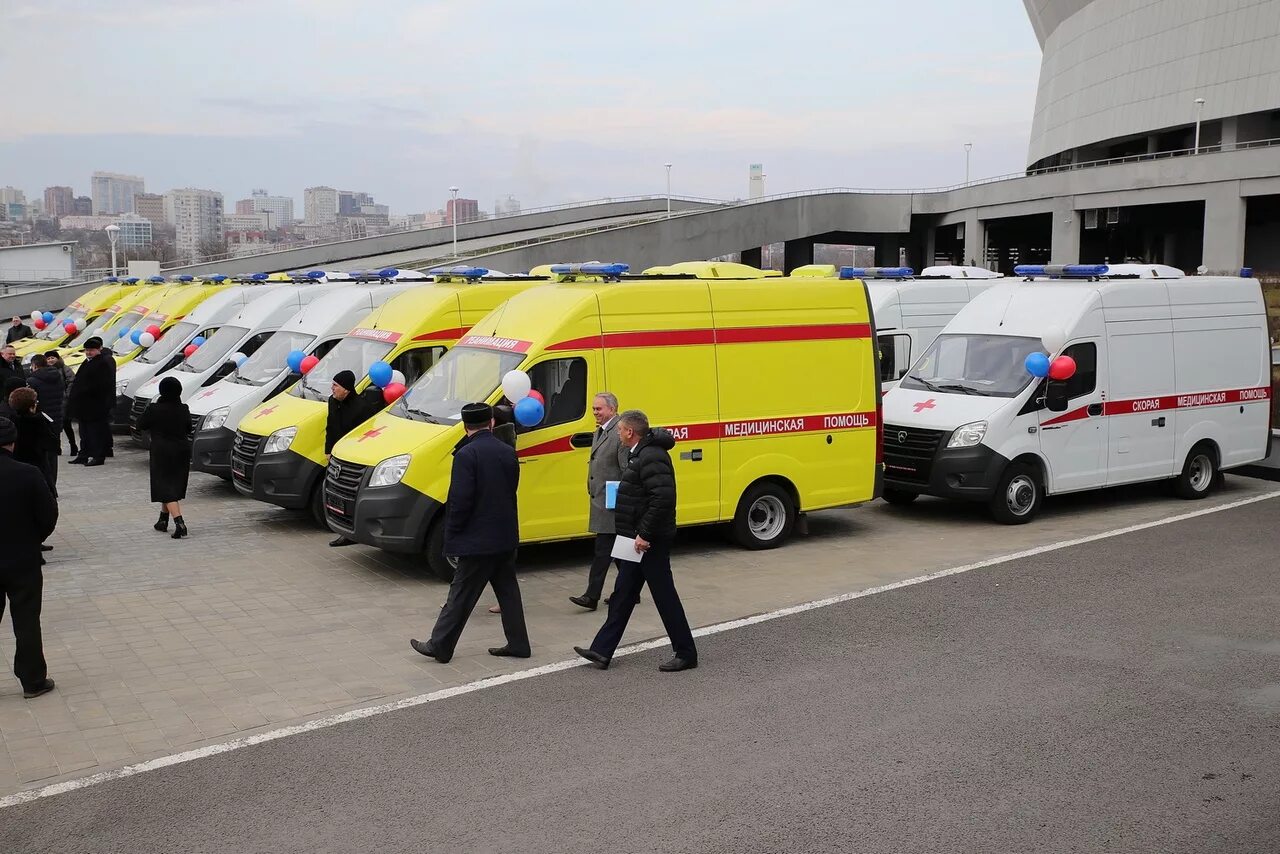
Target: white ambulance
[1171,381]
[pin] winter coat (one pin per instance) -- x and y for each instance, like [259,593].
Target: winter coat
[93,394]
[29,517]
[169,423]
[346,415]
[12,369]
[480,512]
[608,458]
[51,391]
[647,494]
[17,333]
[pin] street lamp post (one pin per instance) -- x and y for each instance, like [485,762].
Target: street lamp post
[968,147]
[668,165]
[453,215]
[1199,113]
[113,232]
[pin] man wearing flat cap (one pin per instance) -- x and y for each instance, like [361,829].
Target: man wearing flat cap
[482,531]
[90,400]
[347,411]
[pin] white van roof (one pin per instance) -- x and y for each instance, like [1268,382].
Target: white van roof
[956,271]
[278,303]
[350,301]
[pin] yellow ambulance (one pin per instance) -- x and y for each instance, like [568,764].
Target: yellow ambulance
[82,312]
[130,308]
[769,385]
[176,303]
[278,454]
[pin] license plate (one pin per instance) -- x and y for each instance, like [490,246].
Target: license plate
[237,472]
[338,508]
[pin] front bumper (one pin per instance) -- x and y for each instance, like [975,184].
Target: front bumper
[963,474]
[211,452]
[285,479]
[120,413]
[392,518]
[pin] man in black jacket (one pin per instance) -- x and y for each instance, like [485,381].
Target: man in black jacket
[17,331]
[482,530]
[29,517]
[347,411]
[646,512]
[11,365]
[50,388]
[90,401]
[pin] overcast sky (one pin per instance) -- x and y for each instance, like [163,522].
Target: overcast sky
[551,101]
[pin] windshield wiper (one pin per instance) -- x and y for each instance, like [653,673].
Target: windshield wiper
[958,387]
[923,382]
[425,416]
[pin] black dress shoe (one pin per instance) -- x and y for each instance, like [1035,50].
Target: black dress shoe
[584,602]
[507,651]
[677,664]
[429,651]
[43,688]
[340,541]
[94,461]
[594,657]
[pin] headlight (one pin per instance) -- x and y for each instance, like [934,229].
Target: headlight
[215,419]
[280,440]
[388,472]
[968,435]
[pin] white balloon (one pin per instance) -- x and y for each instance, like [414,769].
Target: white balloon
[239,358]
[146,339]
[1053,339]
[37,315]
[397,377]
[516,385]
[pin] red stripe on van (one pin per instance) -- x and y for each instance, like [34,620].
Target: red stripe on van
[443,334]
[1165,403]
[738,335]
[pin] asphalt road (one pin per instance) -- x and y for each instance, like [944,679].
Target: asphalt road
[1122,695]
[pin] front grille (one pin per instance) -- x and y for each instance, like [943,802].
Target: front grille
[244,454]
[909,452]
[342,479]
[135,412]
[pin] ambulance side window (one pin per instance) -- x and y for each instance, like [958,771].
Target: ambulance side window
[324,347]
[415,363]
[1085,379]
[563,383]
[895,357]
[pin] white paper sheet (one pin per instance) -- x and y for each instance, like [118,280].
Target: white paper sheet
[624,548]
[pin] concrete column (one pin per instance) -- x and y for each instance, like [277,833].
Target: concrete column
[975,240]
[1230,133]
[753,257]
[1064,247]
[1224,225]
[1153,144]
[930,246]
[797,253]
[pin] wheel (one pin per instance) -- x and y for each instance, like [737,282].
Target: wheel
[1018,495]
[441,566]
[316,505]
[1199,473]
[765,518]
[899,496]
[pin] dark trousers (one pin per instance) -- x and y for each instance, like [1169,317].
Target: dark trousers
[600,566]
[474,572]
[95,437]
[654,570]
[51,471]
[22,587]
[68,427]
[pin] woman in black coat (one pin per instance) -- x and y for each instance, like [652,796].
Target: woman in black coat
[169,422]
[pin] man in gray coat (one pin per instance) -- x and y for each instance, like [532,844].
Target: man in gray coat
[608,458]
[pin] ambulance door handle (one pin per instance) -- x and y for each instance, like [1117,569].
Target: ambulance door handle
[1157,422]
[1095,409]
[693,456]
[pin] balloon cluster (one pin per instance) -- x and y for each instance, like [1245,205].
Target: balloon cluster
[300,363]
[1039,365]
[388,379]
[530,405]
[41,319]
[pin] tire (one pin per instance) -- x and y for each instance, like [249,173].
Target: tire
[315,507]
[765,517]
[441,567]
[1199,474]
[1019,495]
[899,496]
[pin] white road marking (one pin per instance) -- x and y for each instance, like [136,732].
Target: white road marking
[533,672]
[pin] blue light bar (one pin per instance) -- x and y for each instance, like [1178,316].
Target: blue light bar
[388,273]
[1246,272]
[185,278]
[316,274]
[876,272]
[157,279]
[217,277]
[461,271]
[1065,271]
[111,279]
[132,280]
[259,277]
[614,269]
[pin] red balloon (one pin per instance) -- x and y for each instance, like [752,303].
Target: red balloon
[189,349]
[308,363]
[537,395]
[154,330]
[71,328]
[1062,368]
[40,324]
[392,392]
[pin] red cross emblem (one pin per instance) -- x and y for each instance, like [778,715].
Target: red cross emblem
[923,405]
[370,434]
[208,392]
[265,411]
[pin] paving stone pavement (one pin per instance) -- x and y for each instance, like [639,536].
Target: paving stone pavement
[253,622]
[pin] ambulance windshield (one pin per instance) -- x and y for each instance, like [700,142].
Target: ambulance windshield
[352,353]
[465,375]
[989,365]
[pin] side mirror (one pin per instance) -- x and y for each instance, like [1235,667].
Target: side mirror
[1055,397]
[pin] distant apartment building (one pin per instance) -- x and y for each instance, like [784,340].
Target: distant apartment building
[506,207]
[243,207]
[280,208]
[58,201]
[114,193]
[135,231]
[350,202]
[150,206]
[465,209]
[82,206]
[255,222]
[85,222]
[12,196]
[320,205]
[196,216]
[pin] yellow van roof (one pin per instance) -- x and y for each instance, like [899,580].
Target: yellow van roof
[178,301]
[441,310]
[712,270]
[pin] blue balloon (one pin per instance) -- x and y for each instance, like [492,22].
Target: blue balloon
[47,317]
[1037,365]
[136,336]
[380,374]
[122,332]
[295,360]
[198,340]
[529,412]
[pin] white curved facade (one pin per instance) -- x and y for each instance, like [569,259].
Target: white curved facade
[1119,69]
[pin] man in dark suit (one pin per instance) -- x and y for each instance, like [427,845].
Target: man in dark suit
[30,516]
[646,512]
[90,400]
[608,457]
[482,530]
